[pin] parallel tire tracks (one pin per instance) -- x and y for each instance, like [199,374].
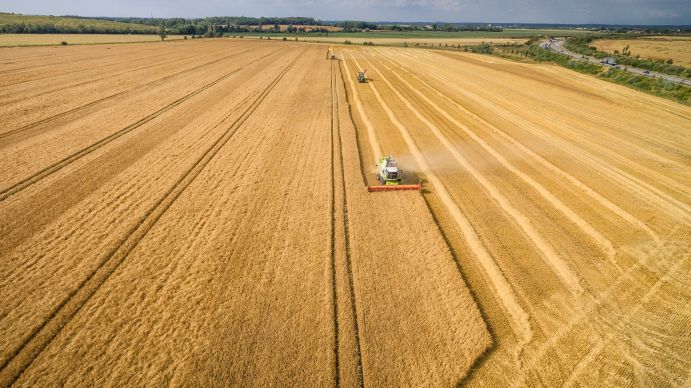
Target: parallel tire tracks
[519,318]
[21,185]
[603,242]
[334,284]
[550,256]
[143,58]
[112,96]
[349,264]
[603,201]
[37,341]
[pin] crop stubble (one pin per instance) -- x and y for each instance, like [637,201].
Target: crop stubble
[599,171]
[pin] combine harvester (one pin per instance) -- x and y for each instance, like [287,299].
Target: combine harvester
[390,177]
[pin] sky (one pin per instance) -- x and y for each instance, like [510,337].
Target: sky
[498,11]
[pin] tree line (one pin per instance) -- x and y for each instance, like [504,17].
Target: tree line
[49,28]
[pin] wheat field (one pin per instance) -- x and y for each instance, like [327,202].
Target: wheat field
[664,47]
[195,214]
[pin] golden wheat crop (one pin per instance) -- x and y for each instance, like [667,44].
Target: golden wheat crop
[195,214]
[675,48]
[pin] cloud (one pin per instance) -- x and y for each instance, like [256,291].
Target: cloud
[499,11]
[664,13]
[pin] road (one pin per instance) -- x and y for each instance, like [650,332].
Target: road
[557,45]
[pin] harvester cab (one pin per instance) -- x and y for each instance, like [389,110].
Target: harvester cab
[362,76]
[390,177]
[388,172]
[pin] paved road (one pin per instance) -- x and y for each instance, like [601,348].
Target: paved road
[557,45]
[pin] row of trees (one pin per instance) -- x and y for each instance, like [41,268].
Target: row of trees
[34,28]
[236,24]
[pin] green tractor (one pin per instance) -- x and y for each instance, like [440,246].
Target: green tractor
[362,76]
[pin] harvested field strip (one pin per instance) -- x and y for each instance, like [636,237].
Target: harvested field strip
[604,243]
[590,114]
[640,188]
[526,74]
[542,161]
[42,335]
[553,259]
[373,141]
[519,318]
[5,193]
[601,142]
[645,191]
[429,319]
[124,92]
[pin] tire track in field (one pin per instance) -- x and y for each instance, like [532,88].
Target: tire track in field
[519,319]
[373,141]
[551,257]
[334,293]
[346,231]
[98,67]
[675,209]
[590,310]
[42,336]
[100,100]
[605,244]
[544,162]
[70,61]
[19,186]
[657,141]
[22,69]
[671,206]
[595,142]
[104,77]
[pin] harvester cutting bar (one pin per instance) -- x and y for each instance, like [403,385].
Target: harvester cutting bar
[394,187]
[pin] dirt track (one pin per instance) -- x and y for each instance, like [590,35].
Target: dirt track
[194,213]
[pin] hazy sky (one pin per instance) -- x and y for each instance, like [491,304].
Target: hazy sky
[528,11]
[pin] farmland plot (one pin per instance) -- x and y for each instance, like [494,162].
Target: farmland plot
[565,199]
[194,214]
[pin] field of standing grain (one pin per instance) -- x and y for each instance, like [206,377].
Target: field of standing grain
[676,48]
[194,213]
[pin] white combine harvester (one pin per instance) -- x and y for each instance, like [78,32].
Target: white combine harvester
[390,177]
